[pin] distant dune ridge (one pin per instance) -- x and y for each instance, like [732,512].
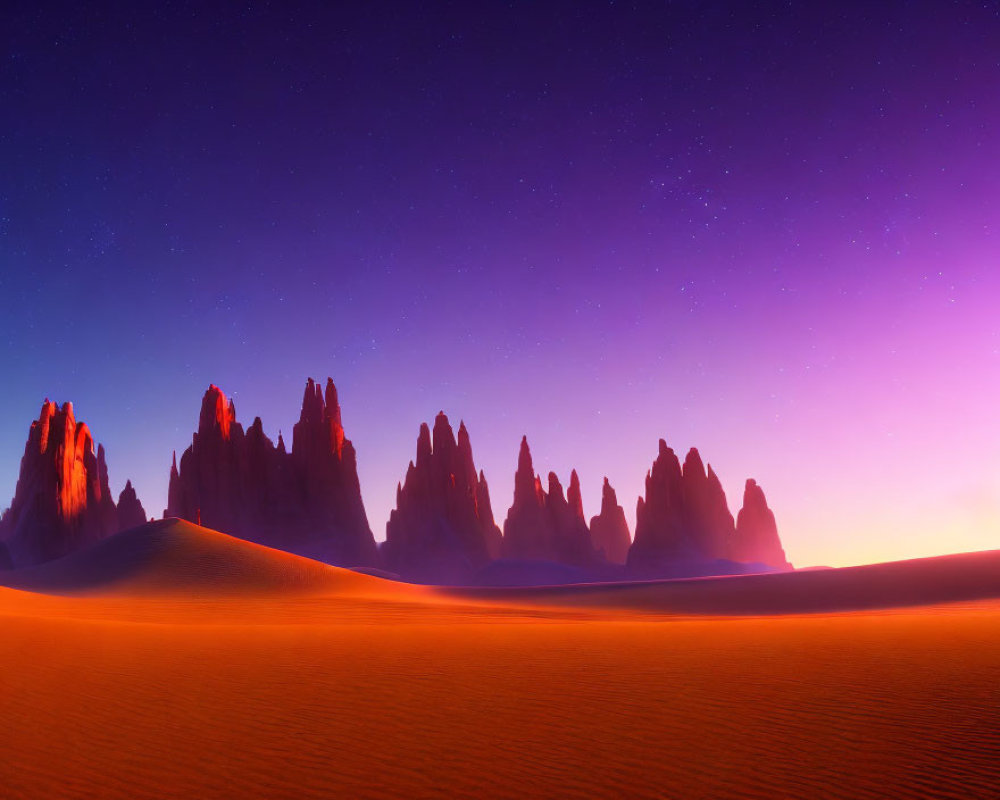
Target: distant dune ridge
[62,501]
[308,501]
[177,557]
[173,661]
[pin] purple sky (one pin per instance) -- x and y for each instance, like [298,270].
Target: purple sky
[767,230]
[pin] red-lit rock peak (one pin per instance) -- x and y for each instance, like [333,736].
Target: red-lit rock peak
[307,501]
[320,420]
[62,501]
[217,414]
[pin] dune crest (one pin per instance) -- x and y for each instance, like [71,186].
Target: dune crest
[962,577]
[176,557]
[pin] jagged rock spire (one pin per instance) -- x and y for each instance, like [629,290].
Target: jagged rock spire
[307,501]
[131,514]
[442,528]
[757,538]
[574,498]
[216,413]
[684,519]
[526,489]
[546,525]
[609,529]
[659,527]
[526,530]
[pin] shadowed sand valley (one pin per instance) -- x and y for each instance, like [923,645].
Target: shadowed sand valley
[194,664]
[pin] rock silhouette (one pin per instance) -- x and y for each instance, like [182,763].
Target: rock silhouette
[684,522]
[756,531]
[609,529]
[307,501]
[62,501]
[442,528]
[544,525]
[130,511]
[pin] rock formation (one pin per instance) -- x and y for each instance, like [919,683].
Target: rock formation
[524,529]
[684,519]
[546,525]
[307,501]
[756,531]
[62,501]
[609,530]
[131,514]
[442,528]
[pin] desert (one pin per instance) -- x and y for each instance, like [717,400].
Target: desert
[263,674]
[474,400]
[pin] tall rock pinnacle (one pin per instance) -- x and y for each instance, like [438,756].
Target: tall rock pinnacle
[757,538]
[131,514]
[526,531]
[609,529]
[660,532]
[62,501]
[546,525]
[442,528]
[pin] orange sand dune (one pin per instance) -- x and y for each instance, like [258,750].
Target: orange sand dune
[173,556]
[351,686]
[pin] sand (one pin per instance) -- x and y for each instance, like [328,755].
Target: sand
[350,686]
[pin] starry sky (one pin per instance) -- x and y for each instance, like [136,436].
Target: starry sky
[768,230]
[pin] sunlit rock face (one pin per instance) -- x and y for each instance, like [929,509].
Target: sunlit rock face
[609,529]
[442,529]
[307,501]
[684,521]
[546,525]
[757,537]
[62,501]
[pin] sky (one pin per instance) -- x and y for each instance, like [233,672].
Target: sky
[767,230]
